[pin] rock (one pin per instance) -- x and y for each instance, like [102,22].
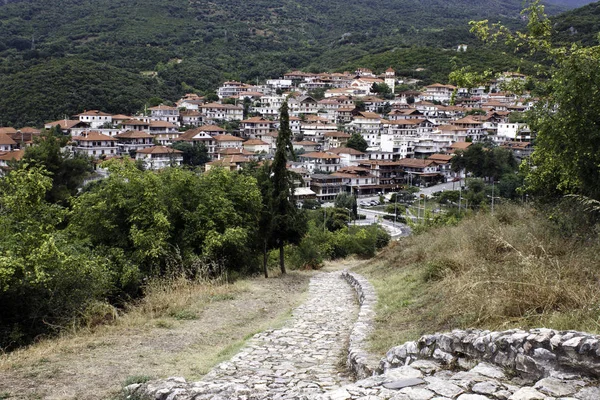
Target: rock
[395,385]
[486,387]
[444,388]
[405,372]
[527,393]
[589,393]
[414,394]
[426,366]
[491,371]
[502,394]
[557,388]
[472,397]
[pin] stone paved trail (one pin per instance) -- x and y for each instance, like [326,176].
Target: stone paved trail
[297,361]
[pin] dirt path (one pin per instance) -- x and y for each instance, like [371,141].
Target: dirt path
[296,361]
[95,366]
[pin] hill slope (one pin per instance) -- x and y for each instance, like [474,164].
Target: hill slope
[210,41]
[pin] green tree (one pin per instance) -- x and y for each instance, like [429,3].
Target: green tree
[347,201]
[67,170]
[484,160]
[566,158]
[289,224]
[193,155]
[357,142]
[46,278]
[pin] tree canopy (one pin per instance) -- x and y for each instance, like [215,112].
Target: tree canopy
[357,142]
[566,159]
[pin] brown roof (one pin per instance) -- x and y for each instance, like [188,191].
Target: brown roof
[254,142]
[8,131]
[407,121]
[320,154]
[162,107]
[345,150]
[29,130]
[460,145]
[306,143]
[133,135]
[466,120]
[516,145]
[5,139]
[190,134]
[230,161]
[415,163]
[64,124]
[222,106]
[134,121]
[231,151]
[370,115]
[440,157]
[93,113]
[189,113]
[159,150]
[93,136]
[121,117]
[257,120]
[12,155]
[227,138]
[441,86]
[162,124]
[337,134]
[210,128]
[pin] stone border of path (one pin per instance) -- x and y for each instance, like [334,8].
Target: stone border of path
[532,355]
[360,361]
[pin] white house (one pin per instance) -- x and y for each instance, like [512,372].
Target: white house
[159,157]
[95,119]
[130,142]
[165,114]
[438,92]
[223,112]
[95,144]
[6,142]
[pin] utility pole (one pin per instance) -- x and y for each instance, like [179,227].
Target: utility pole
[396,206]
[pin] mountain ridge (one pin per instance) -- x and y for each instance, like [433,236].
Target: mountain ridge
[192,46]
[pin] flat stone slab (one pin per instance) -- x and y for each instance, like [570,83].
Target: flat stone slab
[395,385]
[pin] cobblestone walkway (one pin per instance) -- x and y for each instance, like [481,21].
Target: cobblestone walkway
[297,361]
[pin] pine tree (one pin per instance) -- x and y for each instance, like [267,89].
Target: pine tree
[288,224]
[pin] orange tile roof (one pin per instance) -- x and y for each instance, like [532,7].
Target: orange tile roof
[92,136]
[5,139]
[227,138]
[133,135]
[320,155]
[159,150]
[345,150]
[12,155]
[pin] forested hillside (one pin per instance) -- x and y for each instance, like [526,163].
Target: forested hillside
[160,48]
[580,25]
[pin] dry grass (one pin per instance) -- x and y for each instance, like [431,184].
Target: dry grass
[513,269]
[181,328]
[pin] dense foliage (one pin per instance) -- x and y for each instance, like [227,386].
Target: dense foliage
[69,261]
[566,160]
[59,58]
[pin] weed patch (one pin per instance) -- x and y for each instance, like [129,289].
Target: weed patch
[512,269]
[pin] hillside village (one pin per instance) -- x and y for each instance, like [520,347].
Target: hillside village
[411,135]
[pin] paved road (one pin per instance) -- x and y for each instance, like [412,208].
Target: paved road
[298,361]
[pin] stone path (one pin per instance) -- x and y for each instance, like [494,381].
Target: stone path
[430,380]
[297,361]
[301,360]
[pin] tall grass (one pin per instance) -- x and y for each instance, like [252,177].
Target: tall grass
[517,268]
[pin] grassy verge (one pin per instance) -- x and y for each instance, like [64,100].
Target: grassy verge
[180,328]
[517,268]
